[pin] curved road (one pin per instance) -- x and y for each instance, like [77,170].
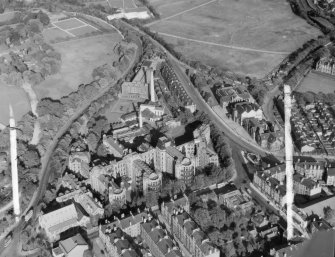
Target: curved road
[200,102]
[45,172]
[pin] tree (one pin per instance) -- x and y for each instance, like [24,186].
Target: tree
[30,158]
[92,141]
[328,212]
[48,106]
[102,150]
[44,18]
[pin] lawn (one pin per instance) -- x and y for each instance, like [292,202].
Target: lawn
[17,98]
[317,82]
[69,23]
[261,25]
[128,4]
[55,34]
[79,58]
[84,31]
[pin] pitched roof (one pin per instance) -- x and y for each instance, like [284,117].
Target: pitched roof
[69,244]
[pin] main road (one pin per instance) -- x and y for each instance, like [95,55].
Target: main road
[45,160]
[200,102]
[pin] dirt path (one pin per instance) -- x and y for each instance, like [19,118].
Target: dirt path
[33,103]
[224,45]
[177,14]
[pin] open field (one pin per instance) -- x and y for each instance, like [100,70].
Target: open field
[128,4]
[17,98]
[317,82]
[79,58]
[6,16]
[66,29]
[248,37]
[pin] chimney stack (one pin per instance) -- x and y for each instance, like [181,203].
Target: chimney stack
[152,86]
[289,160]
[13,158]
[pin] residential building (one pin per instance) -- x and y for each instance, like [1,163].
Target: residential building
[131,225]
[79,163]
[158,241]
[71,247]
[176,88]
[305,186]
[91,207]
[331,176]
[187,233]
[116,243]
[274,141]
[245,110]
[117,194]
[314,170]
[228,95]
[168,209]
[326,65]
[113,147]
[99,180]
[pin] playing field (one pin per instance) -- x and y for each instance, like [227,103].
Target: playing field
[79,58]
[68,29]
[317,82]
[127,4]
[248,37]
[17,98]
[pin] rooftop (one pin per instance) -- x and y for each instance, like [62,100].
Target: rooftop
[69,244]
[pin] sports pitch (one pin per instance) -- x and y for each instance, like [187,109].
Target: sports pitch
[69,29]
[249,37]
[317,82]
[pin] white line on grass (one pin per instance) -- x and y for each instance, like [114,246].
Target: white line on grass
[83,38]
[62,21]
[177,14]
[223,45]
[88,24]
[64,30]
[78,27]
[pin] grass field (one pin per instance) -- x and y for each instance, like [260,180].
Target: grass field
[128,4]
[6,16]
[79,58]
[83,31]
[69,23]
[66,29]
[55,34]
[17,98]
[248,37]
[317,82]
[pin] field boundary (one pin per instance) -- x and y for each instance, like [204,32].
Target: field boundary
[180,13]
[239,48]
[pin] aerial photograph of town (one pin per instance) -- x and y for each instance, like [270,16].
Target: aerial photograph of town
[167,128]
